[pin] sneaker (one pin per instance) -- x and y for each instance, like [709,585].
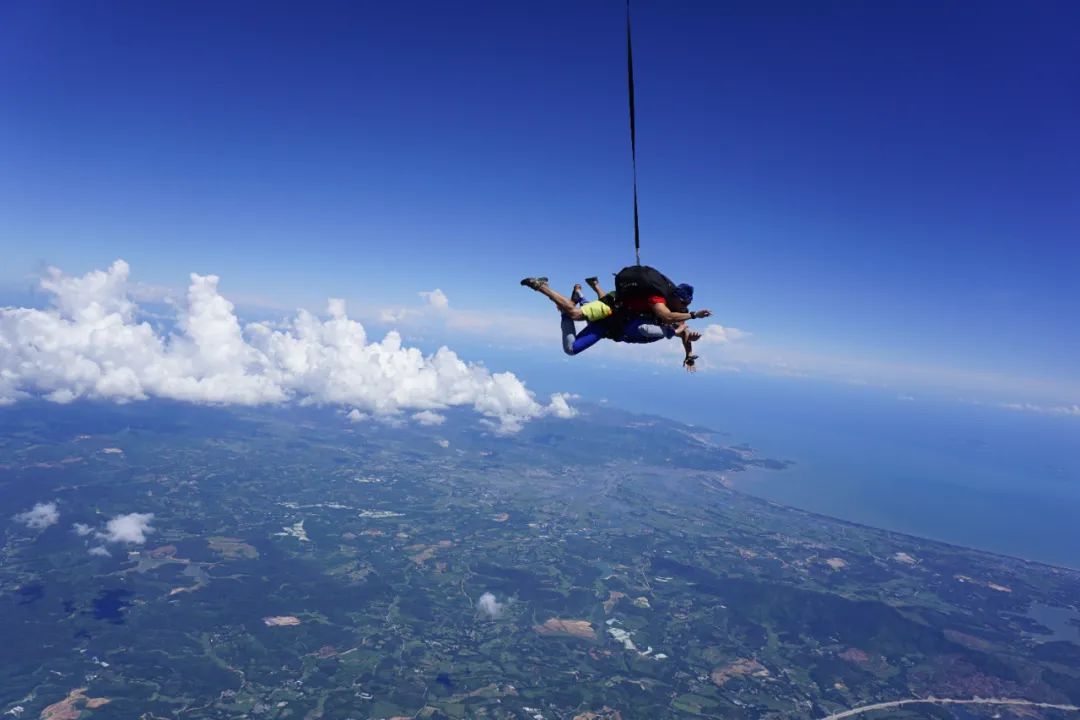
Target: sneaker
[534,282]
[592,280]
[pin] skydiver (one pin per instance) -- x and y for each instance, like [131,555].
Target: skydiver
[645,331]
[623,326]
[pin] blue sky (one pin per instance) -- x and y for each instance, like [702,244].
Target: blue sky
[889,186]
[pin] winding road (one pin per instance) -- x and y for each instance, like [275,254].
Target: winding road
[947,701]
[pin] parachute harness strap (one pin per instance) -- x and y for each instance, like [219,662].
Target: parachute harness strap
[633,131]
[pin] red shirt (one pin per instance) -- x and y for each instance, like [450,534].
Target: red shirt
[644,304]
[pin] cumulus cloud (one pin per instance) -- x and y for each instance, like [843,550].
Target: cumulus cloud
[436,299]
[426,417]
[82,529]
[100,551]
[88,343]
[39,517]
[488,605]
[130,528]
[560,405]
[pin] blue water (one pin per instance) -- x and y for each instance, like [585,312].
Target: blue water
[1062,622]
[977,476]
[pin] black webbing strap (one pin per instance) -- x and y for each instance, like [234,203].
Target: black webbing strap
[633,131]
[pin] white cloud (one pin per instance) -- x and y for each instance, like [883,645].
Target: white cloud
[90,344]
[82,529]
[100,551]
[488,605]
[429,418]
[130,528]
[720,335]
[392,316]
[143,292]
[443,443]
[1044,409]
[436,315]
[39,517]
[436,299]
[560,405]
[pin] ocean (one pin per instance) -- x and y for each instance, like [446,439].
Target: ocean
[974,475]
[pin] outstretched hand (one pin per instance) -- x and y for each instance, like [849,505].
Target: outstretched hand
[703,313]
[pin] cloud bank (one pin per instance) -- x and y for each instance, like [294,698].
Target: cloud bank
[89,343]
[488,605]
[39,517]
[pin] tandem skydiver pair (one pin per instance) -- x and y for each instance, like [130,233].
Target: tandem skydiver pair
[645,307]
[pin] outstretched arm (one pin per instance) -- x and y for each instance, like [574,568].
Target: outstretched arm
[688,337]
[669,317]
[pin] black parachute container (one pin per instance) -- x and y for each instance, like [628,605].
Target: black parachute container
[643,281]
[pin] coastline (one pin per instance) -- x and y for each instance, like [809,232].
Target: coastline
[736,481]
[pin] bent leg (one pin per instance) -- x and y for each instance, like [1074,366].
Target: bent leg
[569,335]
[589,336]
[576,296]
[575,342]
